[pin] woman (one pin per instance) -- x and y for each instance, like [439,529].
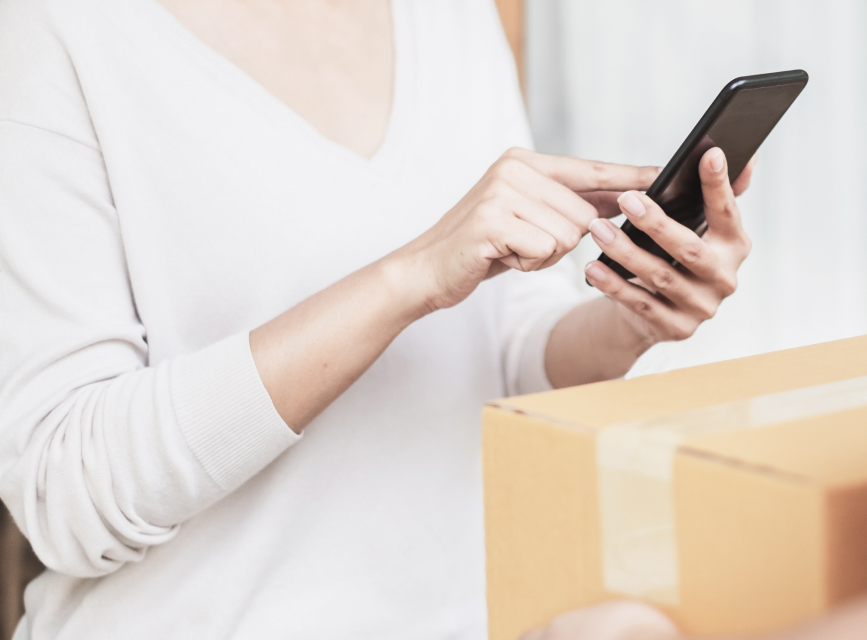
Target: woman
[227,222]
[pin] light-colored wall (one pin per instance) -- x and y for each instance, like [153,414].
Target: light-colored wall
[625,81]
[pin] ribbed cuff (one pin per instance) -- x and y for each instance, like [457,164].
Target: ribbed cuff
[225,413]
[532,374]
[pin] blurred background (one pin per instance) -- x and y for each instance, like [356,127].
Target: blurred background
[626,80]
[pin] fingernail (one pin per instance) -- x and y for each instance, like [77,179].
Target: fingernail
[602,233]
[717,159]
[594,272]
[631,205]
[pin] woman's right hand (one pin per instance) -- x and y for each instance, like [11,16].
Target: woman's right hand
[526,213]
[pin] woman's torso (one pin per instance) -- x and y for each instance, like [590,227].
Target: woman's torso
[233,209]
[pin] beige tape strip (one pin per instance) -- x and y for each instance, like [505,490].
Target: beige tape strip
[635,466]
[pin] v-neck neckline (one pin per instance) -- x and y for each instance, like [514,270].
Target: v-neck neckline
[386,154]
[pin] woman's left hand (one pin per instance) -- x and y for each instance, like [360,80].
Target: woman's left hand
[677,299]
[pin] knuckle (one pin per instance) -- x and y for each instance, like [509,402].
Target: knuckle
[729,208]
[683,330]
[705,310]
[655,226]
[747,246]
[613,288]
[487,216]
[691,252]
[514,153]
[509,169]
[641,307]
[600,175]
[662,278]
[678,333]
[572,237]
[727,284]
[628,252]
[498,187]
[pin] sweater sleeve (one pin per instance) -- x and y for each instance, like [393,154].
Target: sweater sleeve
[101,455]
[534,303]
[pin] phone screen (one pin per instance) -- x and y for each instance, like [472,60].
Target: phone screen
[738,126]
[739,131]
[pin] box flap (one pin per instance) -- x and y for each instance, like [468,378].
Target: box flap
[606,403]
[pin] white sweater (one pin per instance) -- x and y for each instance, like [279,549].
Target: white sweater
[156,204]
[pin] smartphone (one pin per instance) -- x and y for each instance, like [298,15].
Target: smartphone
[738,121]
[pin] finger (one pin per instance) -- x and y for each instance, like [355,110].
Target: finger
[605,202]
[742,182]
[720,207]
[681,243]
[668,323]
[564,231]
[565,202]
[587,175]
[521,245]
[685,293]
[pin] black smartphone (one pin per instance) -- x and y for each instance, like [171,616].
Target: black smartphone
[738,121]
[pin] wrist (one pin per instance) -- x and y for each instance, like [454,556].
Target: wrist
[405,279]
[633,333]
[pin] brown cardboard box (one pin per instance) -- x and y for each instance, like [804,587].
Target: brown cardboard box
[765,495]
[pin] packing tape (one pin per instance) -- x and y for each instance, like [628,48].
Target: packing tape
[635,464]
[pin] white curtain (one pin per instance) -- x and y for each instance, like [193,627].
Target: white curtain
[625,81]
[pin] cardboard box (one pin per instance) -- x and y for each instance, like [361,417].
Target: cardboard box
[732,495]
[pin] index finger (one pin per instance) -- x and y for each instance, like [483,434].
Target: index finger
[605,202]
[588,175]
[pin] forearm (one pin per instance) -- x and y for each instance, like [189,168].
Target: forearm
[310,355]
[593,342]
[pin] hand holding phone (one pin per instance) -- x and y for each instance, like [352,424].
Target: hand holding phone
[672,301]
[688,251]
[738,121]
